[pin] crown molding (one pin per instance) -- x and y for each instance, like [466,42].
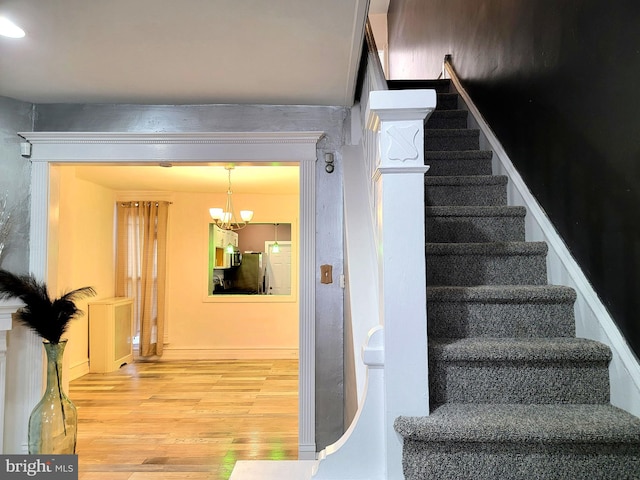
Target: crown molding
[154,147]
[216,138]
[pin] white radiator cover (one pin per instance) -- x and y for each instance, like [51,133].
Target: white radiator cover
[110,334]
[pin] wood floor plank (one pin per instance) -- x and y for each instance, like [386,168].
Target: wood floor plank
[185,420]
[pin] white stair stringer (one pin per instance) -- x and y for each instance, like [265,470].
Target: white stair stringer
[360,453]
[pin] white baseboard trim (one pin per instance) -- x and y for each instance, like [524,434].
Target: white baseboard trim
[79,369]
[593,321]
[228,354]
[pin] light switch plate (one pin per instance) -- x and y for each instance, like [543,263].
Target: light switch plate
[326,274]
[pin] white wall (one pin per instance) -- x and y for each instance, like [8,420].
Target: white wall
[378,23]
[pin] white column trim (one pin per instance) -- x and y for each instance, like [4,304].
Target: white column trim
[7,308]
[307,352]
[190,148]
[29,343]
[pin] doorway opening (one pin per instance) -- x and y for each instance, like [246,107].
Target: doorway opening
[51,148]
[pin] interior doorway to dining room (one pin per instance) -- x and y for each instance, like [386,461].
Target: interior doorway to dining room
[79,150]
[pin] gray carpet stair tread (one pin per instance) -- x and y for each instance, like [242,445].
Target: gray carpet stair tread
[499,423]
[447,101]
[452,119]
[490,248]
[458,154]
[476,211]
[465,180]
[451,132]
[503,294]
[448,113]
[437,139]
[501,311]
[529,350]
[458,162]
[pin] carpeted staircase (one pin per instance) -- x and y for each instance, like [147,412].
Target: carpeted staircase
[513,393]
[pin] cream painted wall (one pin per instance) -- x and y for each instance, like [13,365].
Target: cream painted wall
[197,326]
[200,326]
[378,23]
[83,254]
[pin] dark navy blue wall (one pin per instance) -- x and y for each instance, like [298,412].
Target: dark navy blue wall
[558,81]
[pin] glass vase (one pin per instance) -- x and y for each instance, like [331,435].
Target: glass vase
[53,423]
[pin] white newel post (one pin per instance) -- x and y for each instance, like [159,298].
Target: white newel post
[7,308]
[399,117]
[395,353]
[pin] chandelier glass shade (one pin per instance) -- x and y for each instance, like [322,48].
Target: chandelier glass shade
[225,218]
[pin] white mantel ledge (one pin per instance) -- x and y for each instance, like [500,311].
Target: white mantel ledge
[7,309]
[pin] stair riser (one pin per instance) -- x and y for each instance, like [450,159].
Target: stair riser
[501,320]
[466,270]
[440,86]
[459,167]
[518,382]
[475,229]
[450,140]
[506,461]
[456,195]
[447,120]
[447,101]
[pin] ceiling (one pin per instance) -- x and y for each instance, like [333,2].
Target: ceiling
[289,52]
[169,52]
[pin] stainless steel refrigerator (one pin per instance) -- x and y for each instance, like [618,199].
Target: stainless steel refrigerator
[249,277]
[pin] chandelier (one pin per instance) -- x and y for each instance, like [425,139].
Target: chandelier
[225,218]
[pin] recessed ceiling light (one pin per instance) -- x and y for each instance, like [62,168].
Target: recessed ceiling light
[10,29]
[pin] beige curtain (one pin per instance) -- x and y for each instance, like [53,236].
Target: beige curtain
[141,268]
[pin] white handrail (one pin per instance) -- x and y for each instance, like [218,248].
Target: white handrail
[359,211]
[373,81]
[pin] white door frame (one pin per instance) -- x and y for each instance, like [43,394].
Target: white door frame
[189,148]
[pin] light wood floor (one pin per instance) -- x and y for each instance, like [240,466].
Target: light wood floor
[185,420]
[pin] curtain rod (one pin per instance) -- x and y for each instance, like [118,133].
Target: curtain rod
[135,203]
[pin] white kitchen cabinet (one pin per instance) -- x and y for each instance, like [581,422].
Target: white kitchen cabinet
[219,239]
